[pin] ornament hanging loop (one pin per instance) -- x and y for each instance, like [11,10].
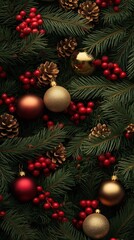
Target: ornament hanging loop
[21,172]
[115,174]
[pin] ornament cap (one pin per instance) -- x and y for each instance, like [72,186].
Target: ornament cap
[22,174]
[114,178]
[53,83]
[97,211]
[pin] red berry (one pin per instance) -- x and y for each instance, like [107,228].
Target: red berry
[83,203]
[28,20]
[55,205]
[32,14]
[82,215]
[106,72]
[79,224]
[12,109]
[53,166]
[106,163]
[32,81]
[23,13]
[34,19]
[103,4]
[105,59]
[112,159]
[33,9]
[18,17]
[55,215]
[90,104]
[2,213]
[21,77]
[117,70]
[101,157]
[41,159]
[61,214]
[38,16]
[108,154]
[34,25]
[94,203]
[36,173]
[89,110]
[47,194]
[113,239]
[43,165]
[25,80]
[46,171]
[42,31]
[110,65]
[27,30]
[98,2]
[117,2]
[79,158]
[88,203]
[82,110]
[12,99]
[115,65]
[50,124]
[123,75]
[39,188]
[45,117]
[31,167]
[74,221]
[48,161]
[1,102]
[8,101]
[28,74]
[50,200]
[80,104]
[88,210]
[64,219]
[4,96]
[36,200]
[40,22]
[42,197]
[113,77]
[18,28]
[82,117]
[46,206]
[76,116]
[116,8]
[1,198]
[97,62]
[37,165]
[73,107]
[128,135]
[23,25]
[104,65]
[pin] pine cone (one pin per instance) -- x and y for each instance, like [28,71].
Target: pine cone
[58,154]
[66,47]
[101,130]
[49,72]
[90,11]
[9,126]
[130,128]
[69,4]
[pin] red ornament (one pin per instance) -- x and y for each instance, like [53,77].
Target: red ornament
[30,107]
[24,188]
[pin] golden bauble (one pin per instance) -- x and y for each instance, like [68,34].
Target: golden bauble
[57,99]
[82,63]
[111,193]
[96,226]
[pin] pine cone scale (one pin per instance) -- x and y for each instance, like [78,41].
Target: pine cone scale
[9,126]
[58,154]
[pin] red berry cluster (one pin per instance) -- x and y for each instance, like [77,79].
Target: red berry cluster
[106,159]
[31,24]
[9,101]
[107,3]
[111,70]
[88,207]
[2,213]
[113,239]
[50,204]
[2,73]
[41,164]
[49,123]
[79,111]
[29,78]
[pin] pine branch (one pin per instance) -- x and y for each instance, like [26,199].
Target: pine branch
[102,40]
[75,145]
[130,64]
[60,182]
[126,169]
[59,22]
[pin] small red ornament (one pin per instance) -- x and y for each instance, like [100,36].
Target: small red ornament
[30,107]
[24,188]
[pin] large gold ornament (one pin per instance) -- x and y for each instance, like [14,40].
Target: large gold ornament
[111,192]
[56,98]
[96,226]
[82,63]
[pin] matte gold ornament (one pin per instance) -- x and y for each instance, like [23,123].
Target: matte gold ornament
[111,192]
[82,63]
[56,98]
[96,225]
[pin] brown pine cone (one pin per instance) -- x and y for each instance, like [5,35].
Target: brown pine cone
[130,128]
[90,11]
[66,47]
[101,130]
[69,4]
[58,154]
[49,72]
[9,127]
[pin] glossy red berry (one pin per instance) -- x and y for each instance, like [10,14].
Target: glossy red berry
[8,101]
[50,124]
[32,14]
[110,65]
[55,215]
[97,62]
[104,65]
[117,2]
[40,22]
[116,8]
[34,25]
[90,104]
[123,75]
[38,16]
[41,159]
[89,110]
[106,163]
[31,167]
[105,59]
[82,215]
[117,70]
[55,205]
[101,157]
[88,203]
[48,161]
[79,158]
[112,159]
[88,210]
[36,200]
[23,13]
[103,4]
[4,96]
[39,188]
[64,219]
[76,116]
[46,117]
[43,165]
[46,206]
[61,214]
[94,203]
[19,17]
[106,72]
[113,77]
[2,213]
[42,197]
[1,102]
[33,9]
[83,203]
[108,154]
[12,109]
[47,194]
[37,165]
[82,110]
[36,173]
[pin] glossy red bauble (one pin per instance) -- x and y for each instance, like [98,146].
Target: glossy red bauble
[30,107]
[24,189]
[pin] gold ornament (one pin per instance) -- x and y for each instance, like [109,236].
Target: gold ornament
[56,98]
[111,192]
[96,225]
[82,63]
